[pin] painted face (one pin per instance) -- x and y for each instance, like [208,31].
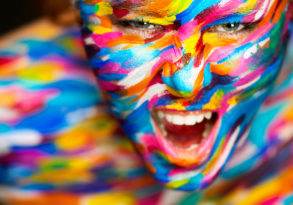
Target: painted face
[186,77]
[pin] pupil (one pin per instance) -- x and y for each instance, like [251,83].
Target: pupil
[139,24]
[142,23]
[232,25]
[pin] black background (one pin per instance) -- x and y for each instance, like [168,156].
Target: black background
[14,13]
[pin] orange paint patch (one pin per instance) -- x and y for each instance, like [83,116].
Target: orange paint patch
[105,22]
[126,39]
[169,69]
[46,199]
[166,41]
[221,69]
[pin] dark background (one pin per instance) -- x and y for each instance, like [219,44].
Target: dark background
[14,13]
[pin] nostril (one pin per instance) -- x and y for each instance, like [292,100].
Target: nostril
[182,78]
[185,59]
[171,68]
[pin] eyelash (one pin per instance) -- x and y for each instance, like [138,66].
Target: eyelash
[231,28]
[149,30]
[141,28]
[138,24]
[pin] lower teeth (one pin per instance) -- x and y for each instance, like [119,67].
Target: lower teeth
[207,130]
[191,147]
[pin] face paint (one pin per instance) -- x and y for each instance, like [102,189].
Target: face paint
[186,78]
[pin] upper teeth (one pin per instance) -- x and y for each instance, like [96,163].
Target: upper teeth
[188,119]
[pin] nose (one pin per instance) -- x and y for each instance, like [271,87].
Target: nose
[185,77]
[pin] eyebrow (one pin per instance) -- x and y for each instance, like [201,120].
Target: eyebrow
[136,5]
[129,3]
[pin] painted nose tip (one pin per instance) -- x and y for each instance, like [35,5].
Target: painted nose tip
[182,78]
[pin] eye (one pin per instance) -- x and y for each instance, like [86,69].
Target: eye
[231,28]
[144,29]
[138,24]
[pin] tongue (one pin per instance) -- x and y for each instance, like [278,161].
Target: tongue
[185,135]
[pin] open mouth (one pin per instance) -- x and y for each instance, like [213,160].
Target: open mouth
[185,136]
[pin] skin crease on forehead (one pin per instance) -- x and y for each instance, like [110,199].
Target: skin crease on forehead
[203,55]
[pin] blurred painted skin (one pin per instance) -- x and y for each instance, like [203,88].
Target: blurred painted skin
[58,145]
[188,58]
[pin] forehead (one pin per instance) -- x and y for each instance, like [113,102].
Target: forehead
[195,4]
[141,3]
[184,10]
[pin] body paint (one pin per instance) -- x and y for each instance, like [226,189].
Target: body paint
[189,67]
[84,161]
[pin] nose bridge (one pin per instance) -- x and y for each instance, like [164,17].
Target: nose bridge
[184,74]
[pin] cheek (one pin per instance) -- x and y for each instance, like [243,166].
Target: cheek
[253,66]
[238,56]
[132,66]
[241,60]
[240,63]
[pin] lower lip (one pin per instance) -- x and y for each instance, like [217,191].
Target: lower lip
[185,145]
